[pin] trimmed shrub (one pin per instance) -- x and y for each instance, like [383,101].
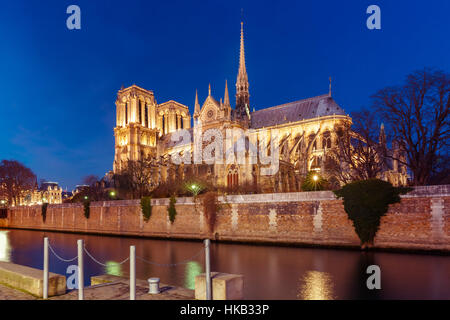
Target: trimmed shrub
[87,208]
[146,208]
[210,207]
[44,211]
[171,210]
[3,213]
[366,202]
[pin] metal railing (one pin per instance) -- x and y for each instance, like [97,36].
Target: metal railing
[132,258]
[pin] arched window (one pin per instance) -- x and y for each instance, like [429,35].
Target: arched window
[326,140]
[312,140]
[316,163]
[140,112]
[146,116]
[126,113]
[232,177]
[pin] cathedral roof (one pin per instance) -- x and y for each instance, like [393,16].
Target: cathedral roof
[319,106]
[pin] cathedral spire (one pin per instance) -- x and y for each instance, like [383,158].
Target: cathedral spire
[242,93]
[242,69]
[197,106]
[226,97]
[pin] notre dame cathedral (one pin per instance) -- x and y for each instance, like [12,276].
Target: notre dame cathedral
[294,136]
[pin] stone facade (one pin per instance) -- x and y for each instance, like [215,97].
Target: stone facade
[49,192]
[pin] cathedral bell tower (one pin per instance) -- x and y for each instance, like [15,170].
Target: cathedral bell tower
[242,110]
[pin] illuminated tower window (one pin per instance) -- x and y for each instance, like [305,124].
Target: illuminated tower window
[146,116]
[140,112]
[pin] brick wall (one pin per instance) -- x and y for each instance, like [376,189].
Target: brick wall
[420,221]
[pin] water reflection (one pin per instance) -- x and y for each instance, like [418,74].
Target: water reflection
[193,269]
[113,268]
[316,285]
[269,272]
[5,247]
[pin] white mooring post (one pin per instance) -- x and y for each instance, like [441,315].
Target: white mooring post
[80,271]
[45,289]
[208,270]
[132,273]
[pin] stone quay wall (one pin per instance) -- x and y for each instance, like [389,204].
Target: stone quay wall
[421,221]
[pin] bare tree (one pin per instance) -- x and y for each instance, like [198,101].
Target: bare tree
[15,180]
[359,151]
[417,113]
[136,179]
[95,191]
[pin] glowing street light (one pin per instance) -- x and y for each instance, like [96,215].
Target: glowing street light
[85,197]
[315,178]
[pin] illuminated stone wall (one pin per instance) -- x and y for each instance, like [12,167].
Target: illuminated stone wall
[420,221]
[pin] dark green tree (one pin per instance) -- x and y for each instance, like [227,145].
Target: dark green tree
[366,202]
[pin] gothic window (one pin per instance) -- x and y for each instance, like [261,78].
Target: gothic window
[146,116]
[140,112]
[313,141]
[176,121]
[126,113]
[326,140]
[181,122]
[316,163]
[163,124]
[232,177]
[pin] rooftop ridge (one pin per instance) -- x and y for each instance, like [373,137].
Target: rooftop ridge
[169,101]
[135,86]
[301,100]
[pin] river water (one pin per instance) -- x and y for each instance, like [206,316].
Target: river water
[270,272]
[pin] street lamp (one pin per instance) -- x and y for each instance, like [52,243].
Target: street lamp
[315,178]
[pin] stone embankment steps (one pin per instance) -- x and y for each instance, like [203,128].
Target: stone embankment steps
[30,279]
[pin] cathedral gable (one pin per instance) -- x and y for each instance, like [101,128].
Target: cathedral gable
[210,110]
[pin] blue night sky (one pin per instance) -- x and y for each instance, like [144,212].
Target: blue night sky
[58,86]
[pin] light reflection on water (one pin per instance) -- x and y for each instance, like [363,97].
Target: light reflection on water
[5,247]
[113,268]
[193,269]
[316,285]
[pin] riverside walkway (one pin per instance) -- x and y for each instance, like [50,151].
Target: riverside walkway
[107,287]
